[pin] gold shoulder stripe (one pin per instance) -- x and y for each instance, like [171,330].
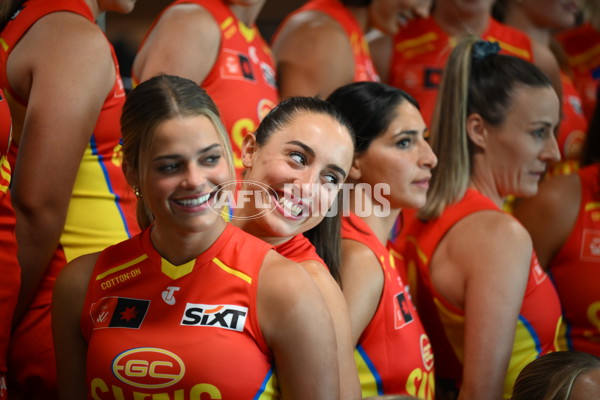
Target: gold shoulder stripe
[232,271]
[592,206]
[586,56]
[225,24]
[517,51]
[176,271]
[122,267]
[420,253]
[418,41]
[3,44]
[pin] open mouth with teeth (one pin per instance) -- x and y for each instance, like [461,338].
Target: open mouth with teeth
[193,202]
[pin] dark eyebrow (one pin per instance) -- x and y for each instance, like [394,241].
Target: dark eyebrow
[409,132]
[200,152]
[311,152]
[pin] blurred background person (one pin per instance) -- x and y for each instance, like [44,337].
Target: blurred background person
[68,190]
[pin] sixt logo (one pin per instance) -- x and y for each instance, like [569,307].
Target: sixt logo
[148,367]
[219,316]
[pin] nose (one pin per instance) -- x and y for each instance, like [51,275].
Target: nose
[550,152]
[427,158]
[193,178]
[305,181]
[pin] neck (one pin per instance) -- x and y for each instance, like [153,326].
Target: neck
[517,18]
[381,226]
[483,181]
[181,247]
[247,14]
[362,16]
[95,7]
[459,25]
[253,228]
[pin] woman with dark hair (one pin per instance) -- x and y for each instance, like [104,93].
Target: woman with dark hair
[62,80]
[193,306]
[484,300]
[564,223]
[390,172]
[321,46]
[301,152]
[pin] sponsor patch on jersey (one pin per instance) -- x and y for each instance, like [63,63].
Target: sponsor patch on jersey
[538,273]
[148,368]
[402,311]
[119,312]
[590,245]
[237,66]
[426,351]
[224,316]
[433,77]
[268,74]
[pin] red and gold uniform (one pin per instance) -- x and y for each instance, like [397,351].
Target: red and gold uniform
[393,354]
[363,64]
[422,48]
[190,331]
[575,269]
[101,210]
[299,249]
[539,322]
[572,130]
[242,81]
[11,275]
[582,46]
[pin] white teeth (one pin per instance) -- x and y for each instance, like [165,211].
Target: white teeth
[194,202]
[292,208]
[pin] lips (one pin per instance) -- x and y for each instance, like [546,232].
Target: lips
[193,202]
[290,209]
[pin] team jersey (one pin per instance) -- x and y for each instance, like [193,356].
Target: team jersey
[575,269]
[393,354]
[421,49]
[299,249]
[572,130]
[363,64]
[539,321]
[242,81]
[156,330]
[582,46]
[11,274]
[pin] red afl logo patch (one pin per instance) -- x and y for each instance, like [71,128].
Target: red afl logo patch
[148,367]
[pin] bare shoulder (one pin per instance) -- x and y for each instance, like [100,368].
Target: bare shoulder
[184,17]
[381,46]
[77,273]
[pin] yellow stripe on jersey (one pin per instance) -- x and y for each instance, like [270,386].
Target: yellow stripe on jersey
[176,271]
[122,267]
[3,44]
[232,271]
[271,389]
[368,381]
[5,174]
[585,57]
[512,49]
[422,256]
[592,206]
[248,33]
[416,42]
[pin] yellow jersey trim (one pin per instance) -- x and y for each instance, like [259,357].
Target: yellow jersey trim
[232,271]
[121,267]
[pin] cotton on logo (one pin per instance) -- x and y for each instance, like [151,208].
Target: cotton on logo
[219,316]
[168,295]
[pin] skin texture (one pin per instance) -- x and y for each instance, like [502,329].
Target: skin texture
[401,158]
[314,55]
[185,162]
[186,41]
[76,48]
[312,149]
[586,386]
[474,272]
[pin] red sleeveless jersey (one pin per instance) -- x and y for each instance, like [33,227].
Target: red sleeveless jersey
[393,354]
[582,46]
[363,64]
[575,270]
[242,81]
[539,319]
[188,331]
[421,49]
[11,273]
[299,249]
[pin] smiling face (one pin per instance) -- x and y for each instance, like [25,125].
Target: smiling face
[186,162]
[519,149]
[401,158]
[303,163]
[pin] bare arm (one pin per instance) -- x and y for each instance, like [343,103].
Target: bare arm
[362,283]
[381,47]
[482,266]
[71,348]
[338,309]
[185,42]
[313,56]
[64,69]
[550,215]
[298,329]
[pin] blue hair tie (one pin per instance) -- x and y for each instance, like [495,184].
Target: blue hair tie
[483,48]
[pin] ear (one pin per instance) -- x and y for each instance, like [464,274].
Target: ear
[130,175]
[248,150]
[477,130]
[355,171]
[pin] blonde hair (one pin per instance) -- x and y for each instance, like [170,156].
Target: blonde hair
[147,106]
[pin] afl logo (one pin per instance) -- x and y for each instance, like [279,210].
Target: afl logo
[426,352]
[148,368]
